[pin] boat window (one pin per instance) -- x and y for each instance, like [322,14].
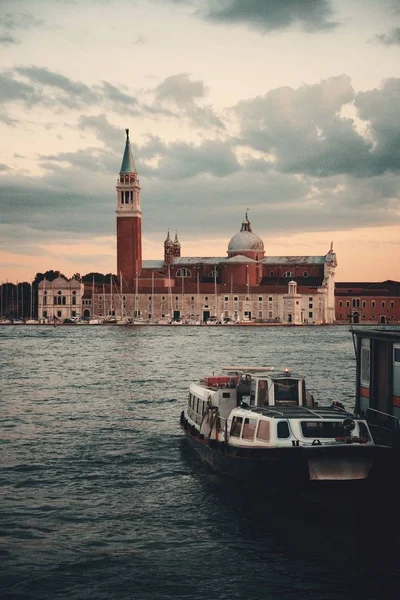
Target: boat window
[226,394]
[262,397]
[253,392]
[283,429]
[322,429]
[236,426]
[263,431]
[197,405]
[286,390]
[249,429]
[365,365]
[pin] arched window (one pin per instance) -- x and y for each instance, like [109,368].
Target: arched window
[288,274]
[214,273]
[305,274]
[183,273]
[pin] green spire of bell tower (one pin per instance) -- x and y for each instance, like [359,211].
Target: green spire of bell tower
[128,164]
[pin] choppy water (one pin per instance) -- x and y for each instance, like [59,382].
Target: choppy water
[100,498]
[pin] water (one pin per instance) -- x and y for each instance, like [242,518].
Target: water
[101,499]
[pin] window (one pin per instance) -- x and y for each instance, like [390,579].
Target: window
[364,304]
[74,293]
[396,354]
[356,302]
[226,298]
[235,298]
[373,304]
[205,298]
[270,314]
[270,299]
[365,366]
[310,299]
[236,426]
[260,298]
[283,429]
[263,431]
[392,304]
[59,313]
[226,394]
[271,273]
[305,274]
[260,314]
[310,315]
[321,429]
[192,298]
[176,297]
[73,313]
[347,304]
[183,273]
[44,300]
[163,298]
[73,299]
[45,314]
[249,429]
[247,298]
[310,305]
[288,274]
[340,304]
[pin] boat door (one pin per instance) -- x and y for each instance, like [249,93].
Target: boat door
[206,315]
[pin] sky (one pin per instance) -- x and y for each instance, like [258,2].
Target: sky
[287,108]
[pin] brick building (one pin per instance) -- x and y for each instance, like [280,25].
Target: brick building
[368,303]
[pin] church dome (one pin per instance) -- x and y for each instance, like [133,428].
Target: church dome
[246,240]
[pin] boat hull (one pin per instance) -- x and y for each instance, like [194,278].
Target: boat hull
[342,473]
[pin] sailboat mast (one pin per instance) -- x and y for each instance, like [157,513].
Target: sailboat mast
[152,295]
[120,294]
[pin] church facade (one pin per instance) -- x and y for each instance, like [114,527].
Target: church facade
[247,285]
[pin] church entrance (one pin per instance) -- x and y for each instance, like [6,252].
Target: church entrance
[206,315]
[86,313]
[356,317]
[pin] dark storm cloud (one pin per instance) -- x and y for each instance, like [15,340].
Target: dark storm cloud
[268,15]
[390,39]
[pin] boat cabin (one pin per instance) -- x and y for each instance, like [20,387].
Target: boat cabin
[295,426]
[378,381]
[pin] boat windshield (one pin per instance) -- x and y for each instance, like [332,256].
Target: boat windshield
[286,390]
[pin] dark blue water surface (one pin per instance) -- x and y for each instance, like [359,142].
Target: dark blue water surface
[100,497]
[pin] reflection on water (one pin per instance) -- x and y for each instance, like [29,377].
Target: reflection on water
[101,497]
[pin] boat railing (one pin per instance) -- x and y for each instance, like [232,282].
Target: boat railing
[385,428]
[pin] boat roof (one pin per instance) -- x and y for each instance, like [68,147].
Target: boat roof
[300,412]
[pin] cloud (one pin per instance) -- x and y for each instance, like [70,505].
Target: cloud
[180,89]
[14,21]
[4,167]
[389,39]
[7,38]
[73,93]
[11,89]
[270,15]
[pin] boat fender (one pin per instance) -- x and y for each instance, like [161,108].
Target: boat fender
[316,443]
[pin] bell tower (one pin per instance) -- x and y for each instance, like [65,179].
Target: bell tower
[129,219]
